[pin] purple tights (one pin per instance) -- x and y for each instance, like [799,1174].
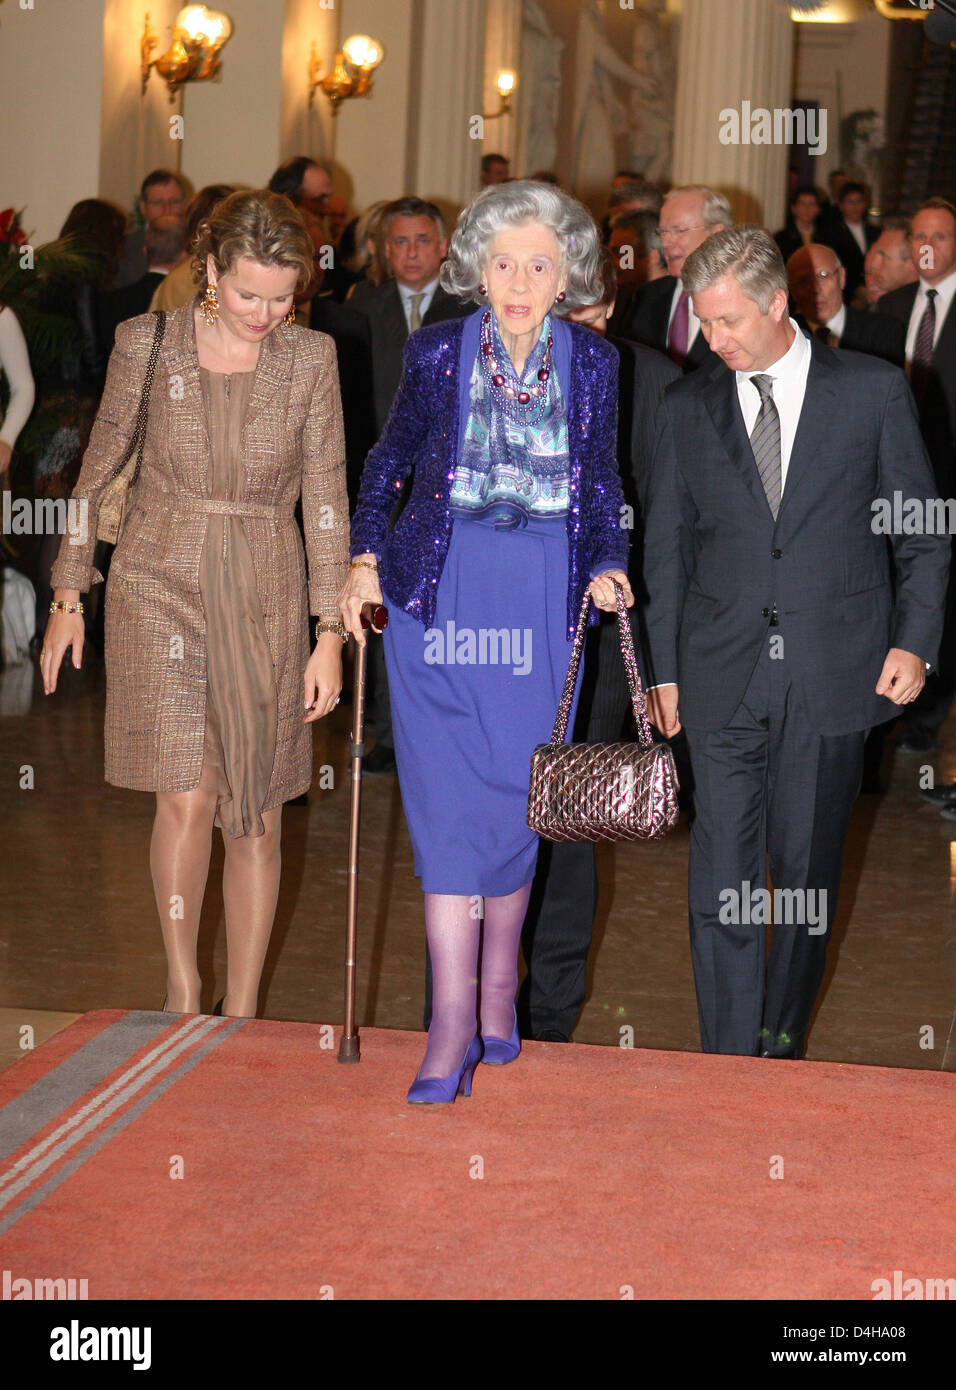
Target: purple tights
[456,942]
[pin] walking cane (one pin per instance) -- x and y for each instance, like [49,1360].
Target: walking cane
[375,617]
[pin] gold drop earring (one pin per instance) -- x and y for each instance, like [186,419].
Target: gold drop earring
[290,317]
[209,304]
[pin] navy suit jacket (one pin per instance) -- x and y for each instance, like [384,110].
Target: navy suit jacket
[423,435]
[717,565]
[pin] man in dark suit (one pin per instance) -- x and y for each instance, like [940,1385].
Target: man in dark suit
[775,635]
[925,312]
[415,244]
[851,234]
[662,315]
[817,280]
[889,265]
[560,918]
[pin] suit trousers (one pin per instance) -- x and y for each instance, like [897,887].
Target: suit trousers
[767,787]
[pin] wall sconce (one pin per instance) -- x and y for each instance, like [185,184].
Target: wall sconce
[193,55]
[351,74]
[829,11]
[506,84]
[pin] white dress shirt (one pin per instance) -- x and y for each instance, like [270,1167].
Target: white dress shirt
[944,298]
[789,376]
[693,322]
[837,324]
[428,291]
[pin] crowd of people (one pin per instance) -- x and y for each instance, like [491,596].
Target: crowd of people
[474,426]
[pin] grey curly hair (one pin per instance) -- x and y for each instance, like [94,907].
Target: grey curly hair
[511,205]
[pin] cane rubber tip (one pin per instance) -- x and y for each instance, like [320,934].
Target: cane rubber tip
[349,1050]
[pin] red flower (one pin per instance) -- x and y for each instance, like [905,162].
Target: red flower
[10,231]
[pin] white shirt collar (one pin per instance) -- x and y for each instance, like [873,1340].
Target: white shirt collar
[792,361]
[426,290]
[944,290]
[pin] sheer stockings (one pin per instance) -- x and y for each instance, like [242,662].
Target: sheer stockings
[179,862]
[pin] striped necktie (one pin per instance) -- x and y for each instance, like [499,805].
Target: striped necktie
[922,363]
[765,442]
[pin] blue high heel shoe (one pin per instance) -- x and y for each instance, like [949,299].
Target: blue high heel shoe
[441,1090]
[497,1052]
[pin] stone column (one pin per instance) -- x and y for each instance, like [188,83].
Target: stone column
[734,55]
[502,50]
[445,151]
[370,135]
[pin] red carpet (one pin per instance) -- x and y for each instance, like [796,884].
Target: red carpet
[576,1173]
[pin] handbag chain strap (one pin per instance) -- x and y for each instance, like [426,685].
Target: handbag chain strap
[138,438]
[638,699]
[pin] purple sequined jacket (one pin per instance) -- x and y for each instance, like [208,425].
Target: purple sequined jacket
[423,432]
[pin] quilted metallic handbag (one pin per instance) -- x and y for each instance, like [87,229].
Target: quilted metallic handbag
[603,791]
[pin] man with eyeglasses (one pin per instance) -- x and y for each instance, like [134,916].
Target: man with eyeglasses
[663,315]
[162,194]
[816,280]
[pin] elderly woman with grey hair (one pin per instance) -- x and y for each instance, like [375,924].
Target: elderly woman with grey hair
[507,421]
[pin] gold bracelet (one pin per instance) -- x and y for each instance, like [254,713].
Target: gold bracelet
[331,625]
[363,565]
[60,605]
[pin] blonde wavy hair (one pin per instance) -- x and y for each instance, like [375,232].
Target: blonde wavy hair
[264,226]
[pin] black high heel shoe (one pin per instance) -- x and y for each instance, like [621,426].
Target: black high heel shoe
[217,1011]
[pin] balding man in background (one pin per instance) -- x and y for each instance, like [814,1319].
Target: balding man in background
[817,281]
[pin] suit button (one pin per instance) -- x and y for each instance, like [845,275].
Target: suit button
[775,554]
[765,612]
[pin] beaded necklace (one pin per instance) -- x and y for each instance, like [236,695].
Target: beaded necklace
[511,395]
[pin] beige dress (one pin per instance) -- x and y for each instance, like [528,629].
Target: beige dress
[241,698]
[292,445]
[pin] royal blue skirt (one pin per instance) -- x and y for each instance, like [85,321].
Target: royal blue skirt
[473,695]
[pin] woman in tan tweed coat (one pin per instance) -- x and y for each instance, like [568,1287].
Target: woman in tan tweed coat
[211,689]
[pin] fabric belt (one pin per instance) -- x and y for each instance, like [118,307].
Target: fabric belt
[215,506]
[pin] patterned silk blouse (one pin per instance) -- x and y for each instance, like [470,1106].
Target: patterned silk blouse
[511,469]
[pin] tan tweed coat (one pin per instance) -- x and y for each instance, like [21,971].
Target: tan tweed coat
[155,627]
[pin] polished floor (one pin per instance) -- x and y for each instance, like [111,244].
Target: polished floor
[78,928]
